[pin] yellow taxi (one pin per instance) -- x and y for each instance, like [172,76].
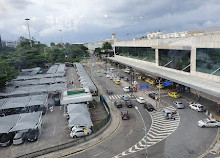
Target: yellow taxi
[160,86]
[174,94]
[147,80]
[117,82]
[98,70]
[139,77]
[152,82]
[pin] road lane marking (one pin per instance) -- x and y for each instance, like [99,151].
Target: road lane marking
[129,133]
[160,129]
[98,154]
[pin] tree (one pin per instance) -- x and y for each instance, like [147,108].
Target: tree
[106,46]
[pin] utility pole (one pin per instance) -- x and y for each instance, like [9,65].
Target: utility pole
[29,31]
[61,36]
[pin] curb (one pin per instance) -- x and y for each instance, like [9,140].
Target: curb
[212,145]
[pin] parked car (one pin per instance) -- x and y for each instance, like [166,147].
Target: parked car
[152,95]
[125,97]
[160,86]
[207,122]
[140,100]
[147,80]
[126,89]
[80,126]
[152,82]
[24,110]
[32,135]
[118,103]
[149,107]
[20,137]
[107,75]
[56,99]
[80,132]
[124,115]
[179,104]
[174,94]
[7,139]
[34,108]
[43,109]
[109,91]
[197,107]
[110,77]
[128,103]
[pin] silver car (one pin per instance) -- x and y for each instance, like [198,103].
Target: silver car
[19,137]
[179,105]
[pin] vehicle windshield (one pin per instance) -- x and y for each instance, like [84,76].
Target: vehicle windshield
[205,120]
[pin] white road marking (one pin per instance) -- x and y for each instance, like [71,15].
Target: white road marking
[159,130]
[129,133]
[98,154]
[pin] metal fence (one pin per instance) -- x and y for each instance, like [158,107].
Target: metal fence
[105,121]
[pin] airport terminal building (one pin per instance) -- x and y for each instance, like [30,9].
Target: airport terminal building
[191,59]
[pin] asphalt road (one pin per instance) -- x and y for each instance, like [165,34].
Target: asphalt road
[188,140]
[129,131]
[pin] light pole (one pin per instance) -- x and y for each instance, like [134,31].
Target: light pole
[145,128]
[159,92]
[61,36]
[29,31]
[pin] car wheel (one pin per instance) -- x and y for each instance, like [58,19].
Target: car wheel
[75,137]
[203,126]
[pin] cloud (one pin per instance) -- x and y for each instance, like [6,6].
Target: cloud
[98,19]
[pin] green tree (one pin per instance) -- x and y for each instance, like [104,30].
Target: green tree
[106,46]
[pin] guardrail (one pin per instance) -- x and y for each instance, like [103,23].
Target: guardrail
[97,129]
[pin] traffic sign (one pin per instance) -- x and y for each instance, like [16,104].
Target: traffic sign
[168,83]
[144,86]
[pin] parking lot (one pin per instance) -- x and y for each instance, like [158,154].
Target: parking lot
[55,128]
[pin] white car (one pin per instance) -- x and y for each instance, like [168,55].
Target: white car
[208,123]
[179,105]
[108,76]
[197,107]
[79,132]
[141,100]
[126,89]
[127,71]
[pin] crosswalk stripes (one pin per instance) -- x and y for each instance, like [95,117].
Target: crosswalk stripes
[160,129]
[118,96]
[161,92]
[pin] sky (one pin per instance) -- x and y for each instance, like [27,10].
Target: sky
[82,21]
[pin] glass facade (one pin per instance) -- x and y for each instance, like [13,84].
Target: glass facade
[175,59]
[208,60]
[141,53]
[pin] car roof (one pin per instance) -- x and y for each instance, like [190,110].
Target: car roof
[141,97]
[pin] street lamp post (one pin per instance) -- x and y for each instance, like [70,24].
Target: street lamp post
[27,19]
[61,36]
[145,128]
